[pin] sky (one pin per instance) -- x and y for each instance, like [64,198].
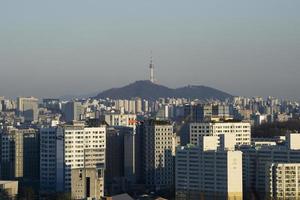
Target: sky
[71,47]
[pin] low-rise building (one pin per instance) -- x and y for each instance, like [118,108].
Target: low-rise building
[87,183]
[11,187]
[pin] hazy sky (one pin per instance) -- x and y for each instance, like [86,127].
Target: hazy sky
[60,47]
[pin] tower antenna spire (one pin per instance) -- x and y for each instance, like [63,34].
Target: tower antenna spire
[151,66]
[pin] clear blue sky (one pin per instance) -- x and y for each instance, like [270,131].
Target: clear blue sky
[59,47]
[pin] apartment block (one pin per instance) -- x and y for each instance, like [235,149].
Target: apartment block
[283,181]
[241,130]
[157,158]
[256,160]
[208,174]
[77,145]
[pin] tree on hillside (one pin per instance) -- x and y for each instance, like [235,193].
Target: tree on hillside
[276,128]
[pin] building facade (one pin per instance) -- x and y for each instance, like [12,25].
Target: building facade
[208,174]
[241,131]
[19,154]
[77,145]
[27,107]
[87,183]
[157,158]
[283,181]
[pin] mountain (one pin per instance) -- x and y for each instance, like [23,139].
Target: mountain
[148,90]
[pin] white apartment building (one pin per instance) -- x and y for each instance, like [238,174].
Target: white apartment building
[241,130]
[283,181]
[210,174]
[83,147]
[70,146]
[256,159]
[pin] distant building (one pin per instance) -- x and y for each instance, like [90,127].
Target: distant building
[119,119]
[138,105]
[198,112]
[52,104]
[221,111]
[73,111]
[27,107]
[259,119]
[201,112]
[1,103]
[163,113]
[282,117]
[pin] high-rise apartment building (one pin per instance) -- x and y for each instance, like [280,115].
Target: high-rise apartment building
[132,106]
[158,163]
[256,160]
[202,112]
[209,174]
[19,154]
[83,146]
[27,107]
[241,130]
[138,105]
[120,173]
[198,112]
[283,181]
[48,156]
[78,145]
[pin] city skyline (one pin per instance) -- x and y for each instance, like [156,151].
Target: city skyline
[243,48]
[174,100]
[175,148]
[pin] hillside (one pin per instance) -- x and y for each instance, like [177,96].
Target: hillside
[148,90]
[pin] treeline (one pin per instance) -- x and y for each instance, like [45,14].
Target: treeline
[276,128]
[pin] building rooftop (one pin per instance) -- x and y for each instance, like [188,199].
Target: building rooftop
[158,122]
[7,181]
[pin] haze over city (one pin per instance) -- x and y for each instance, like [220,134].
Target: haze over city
[56,48]
[149,100]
